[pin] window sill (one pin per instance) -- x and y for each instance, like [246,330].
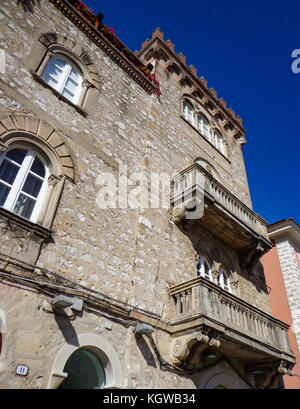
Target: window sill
[39,79]
[35,228]
[211,144]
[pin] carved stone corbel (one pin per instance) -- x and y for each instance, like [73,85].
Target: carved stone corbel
[285,368]
[239,137]
[205,101]
[182,347]
[156,52]
[251,255]
[215,274]
[215,342]
[235,284]
[87,84]
[53,180]
[3,147]
[178,213]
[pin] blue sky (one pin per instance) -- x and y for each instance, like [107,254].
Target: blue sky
[243,49]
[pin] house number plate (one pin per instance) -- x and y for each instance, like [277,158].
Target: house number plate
[22,370]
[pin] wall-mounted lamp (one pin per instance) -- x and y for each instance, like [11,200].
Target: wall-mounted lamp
[143,329]
[62,301]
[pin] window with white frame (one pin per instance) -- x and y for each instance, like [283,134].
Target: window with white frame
[64,76]
[203,127]
[218,141]
[223,280]
[188,112]
[23,176]
[202,124]
[204,269]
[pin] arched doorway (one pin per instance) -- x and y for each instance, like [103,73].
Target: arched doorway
[85,371]
[86,361]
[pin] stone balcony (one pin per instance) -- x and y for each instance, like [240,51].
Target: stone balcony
[206,316]
[220,212]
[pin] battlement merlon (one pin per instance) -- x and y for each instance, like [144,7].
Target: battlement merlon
[159,48]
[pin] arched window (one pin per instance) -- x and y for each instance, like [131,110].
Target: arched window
[64,76]
[218,141]
[23,182]
[188,112]
[203,127]
[85,371]
[223,280]
[204,269]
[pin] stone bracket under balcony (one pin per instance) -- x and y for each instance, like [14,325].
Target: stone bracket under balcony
[209,320]
[199,200]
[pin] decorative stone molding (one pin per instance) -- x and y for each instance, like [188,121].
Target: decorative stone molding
[235,285]
[285,368]
[3,147]
[2,322]
[179,213]
[215,274]
[21,128]
[97,345]
[182,347]
[250,256]
[56,43]
[53,180]
[26,130]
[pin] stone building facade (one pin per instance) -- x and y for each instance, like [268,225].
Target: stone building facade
[154,294]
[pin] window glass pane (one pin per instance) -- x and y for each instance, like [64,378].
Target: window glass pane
[75,75]
[200,123]
[38,168]
[206,132]
[54,71]
[17,155]
[24,206]
[188,111]
[32,186]
[59,64]
[8,172]
[4,190]
[68,94]
[84,370]
[72,86]
[52,82]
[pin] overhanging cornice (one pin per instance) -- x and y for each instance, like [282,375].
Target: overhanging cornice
[97,38]
[285,229]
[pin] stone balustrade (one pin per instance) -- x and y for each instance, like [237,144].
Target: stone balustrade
[200,297]
[195,181]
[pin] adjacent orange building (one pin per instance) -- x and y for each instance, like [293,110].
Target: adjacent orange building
[282,271]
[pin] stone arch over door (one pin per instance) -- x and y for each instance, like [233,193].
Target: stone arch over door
[101,348]
[2,329]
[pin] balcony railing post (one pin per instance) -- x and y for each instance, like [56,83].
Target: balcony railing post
[196,298]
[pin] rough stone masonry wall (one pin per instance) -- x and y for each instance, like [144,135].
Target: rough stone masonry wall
[129,254]
[117,251]
[291,275]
